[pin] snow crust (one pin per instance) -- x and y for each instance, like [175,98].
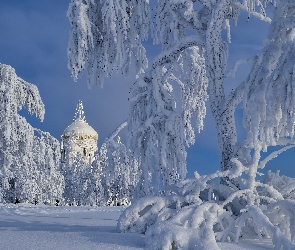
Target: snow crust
[42,227]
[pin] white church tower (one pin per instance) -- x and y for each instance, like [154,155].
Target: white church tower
[78,137]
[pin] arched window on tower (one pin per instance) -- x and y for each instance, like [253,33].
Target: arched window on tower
[63,158]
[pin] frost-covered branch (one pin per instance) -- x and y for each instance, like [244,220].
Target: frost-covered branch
[104,35]
[269,97]
[280,241]
[274,155]
[232,72]
[171,54]
[246,6]
[117,130]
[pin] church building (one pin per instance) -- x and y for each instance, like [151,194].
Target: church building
[79,138]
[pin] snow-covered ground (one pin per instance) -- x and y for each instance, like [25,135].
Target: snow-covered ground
[45,227]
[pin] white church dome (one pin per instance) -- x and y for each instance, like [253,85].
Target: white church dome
[80,129]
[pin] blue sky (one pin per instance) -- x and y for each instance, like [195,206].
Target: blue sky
[34,37]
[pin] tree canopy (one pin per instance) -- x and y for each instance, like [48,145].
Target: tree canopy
[106,35]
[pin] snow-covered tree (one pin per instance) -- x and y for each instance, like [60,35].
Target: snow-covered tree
[109,180]
[46,153]
[121,172]
[99,164]
[85,183]
[29,163]
[194,56]
[74,178]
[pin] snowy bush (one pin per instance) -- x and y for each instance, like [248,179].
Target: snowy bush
[193,216]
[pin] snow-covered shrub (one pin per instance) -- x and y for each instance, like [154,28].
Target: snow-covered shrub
[191,217]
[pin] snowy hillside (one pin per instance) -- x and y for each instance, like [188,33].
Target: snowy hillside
[46,227]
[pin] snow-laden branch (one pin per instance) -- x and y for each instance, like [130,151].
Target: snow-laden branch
[20,93]
[105,35]
[117,130]
[274,155]
[246,7]
[237,64]
[279,240]
[269,97]
[172,53]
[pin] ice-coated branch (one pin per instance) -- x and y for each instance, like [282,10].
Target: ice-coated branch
[269,95]
[104,35]
[19,93]
[245,6]
[172,53]
[274,155]
[279,240]
[117,130]
[231,173]
[232,72]
[275,193]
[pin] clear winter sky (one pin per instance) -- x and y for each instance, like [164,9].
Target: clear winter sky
[33,40]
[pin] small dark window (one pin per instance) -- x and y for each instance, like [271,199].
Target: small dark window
[63,152]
